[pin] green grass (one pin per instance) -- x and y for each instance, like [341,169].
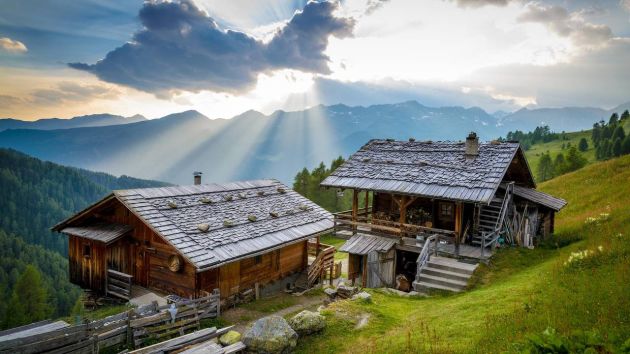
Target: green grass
[337,242]
[271,304]
[555,147]
[521,292]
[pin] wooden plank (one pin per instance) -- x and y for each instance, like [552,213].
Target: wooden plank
[18,342]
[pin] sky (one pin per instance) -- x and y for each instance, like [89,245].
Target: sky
[64,58]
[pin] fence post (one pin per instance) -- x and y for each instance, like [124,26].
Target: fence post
[130,342]
[217,293]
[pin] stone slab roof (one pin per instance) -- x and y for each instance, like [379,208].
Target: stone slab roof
[431,169]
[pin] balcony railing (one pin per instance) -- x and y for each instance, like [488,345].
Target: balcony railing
[367,223]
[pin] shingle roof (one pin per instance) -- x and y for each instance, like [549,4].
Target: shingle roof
[540,198]
[364,244]
[238,217]
[102,232]
[431,169]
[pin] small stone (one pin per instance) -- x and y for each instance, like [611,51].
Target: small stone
[273,214]
[252,218]
[172,204]
[203,227]
[307,322]
[228,223]
[261,193]
[281,190]
[227,198]
[229,338]
[205,200]
[363,296]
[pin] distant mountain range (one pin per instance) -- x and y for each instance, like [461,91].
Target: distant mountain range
[254,145]
[92,120]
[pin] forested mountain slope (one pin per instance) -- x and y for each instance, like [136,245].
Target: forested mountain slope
[35,195]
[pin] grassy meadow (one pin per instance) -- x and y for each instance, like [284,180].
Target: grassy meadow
[579,280]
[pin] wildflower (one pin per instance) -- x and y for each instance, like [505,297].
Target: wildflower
[600,248]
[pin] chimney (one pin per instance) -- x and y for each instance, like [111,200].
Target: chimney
[197,178]
[472,145]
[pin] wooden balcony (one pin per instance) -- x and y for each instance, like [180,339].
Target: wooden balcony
[366,222]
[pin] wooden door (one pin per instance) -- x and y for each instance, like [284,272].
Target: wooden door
[141,265]
[229,278]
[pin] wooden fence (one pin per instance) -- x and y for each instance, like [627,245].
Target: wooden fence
[132,328]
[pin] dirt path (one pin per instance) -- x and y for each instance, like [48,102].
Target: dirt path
[243,316]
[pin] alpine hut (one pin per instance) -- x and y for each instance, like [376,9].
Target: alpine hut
[456,200]
[188,240]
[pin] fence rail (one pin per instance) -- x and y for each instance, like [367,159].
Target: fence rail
[131,328]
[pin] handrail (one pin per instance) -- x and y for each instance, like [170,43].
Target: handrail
[425,253]
[506,199]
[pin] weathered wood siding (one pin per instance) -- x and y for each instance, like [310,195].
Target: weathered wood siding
[150,254]
[266,268]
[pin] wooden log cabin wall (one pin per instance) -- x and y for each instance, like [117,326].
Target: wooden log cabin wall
[142,249]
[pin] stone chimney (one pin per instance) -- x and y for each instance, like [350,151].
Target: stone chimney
[197,178]
[472,145]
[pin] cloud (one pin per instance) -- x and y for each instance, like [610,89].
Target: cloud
[589,79]
[10,101]
[572,25]
[373,5]
[481,3]
[62,92]
[67,91]
[181,48]
[12,46]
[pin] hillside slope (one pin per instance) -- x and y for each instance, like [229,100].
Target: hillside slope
[522,292]
[555,147]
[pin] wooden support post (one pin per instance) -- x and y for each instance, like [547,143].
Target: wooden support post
[331,273]
[403,213]
[458,226]
[355,208]
[367,203]
[317,247]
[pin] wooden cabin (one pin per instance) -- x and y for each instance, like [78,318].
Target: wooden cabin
[187,240]
[455,200]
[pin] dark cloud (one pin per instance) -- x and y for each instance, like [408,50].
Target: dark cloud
[481,3]
[181,48]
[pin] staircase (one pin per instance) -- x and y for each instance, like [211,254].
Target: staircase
[443,273]
[489,220]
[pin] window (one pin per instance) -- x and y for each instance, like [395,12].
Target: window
[87,250]
[257,259]
[446,210]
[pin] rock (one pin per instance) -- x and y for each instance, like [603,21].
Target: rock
[346,292]
[229,338]
[363,296]
[330,292]
[270,334]
[307,322]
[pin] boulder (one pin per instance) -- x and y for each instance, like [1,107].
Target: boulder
[363,296]
[330,292]
[229,338]
[307,322]
[269,335]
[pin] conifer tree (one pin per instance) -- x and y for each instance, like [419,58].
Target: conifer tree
[559,164]
[624,116]
[545,167]
[616,148]
[618,133]
[614,118]
[574,160]
[625,146]
[29,299]
[583,145]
